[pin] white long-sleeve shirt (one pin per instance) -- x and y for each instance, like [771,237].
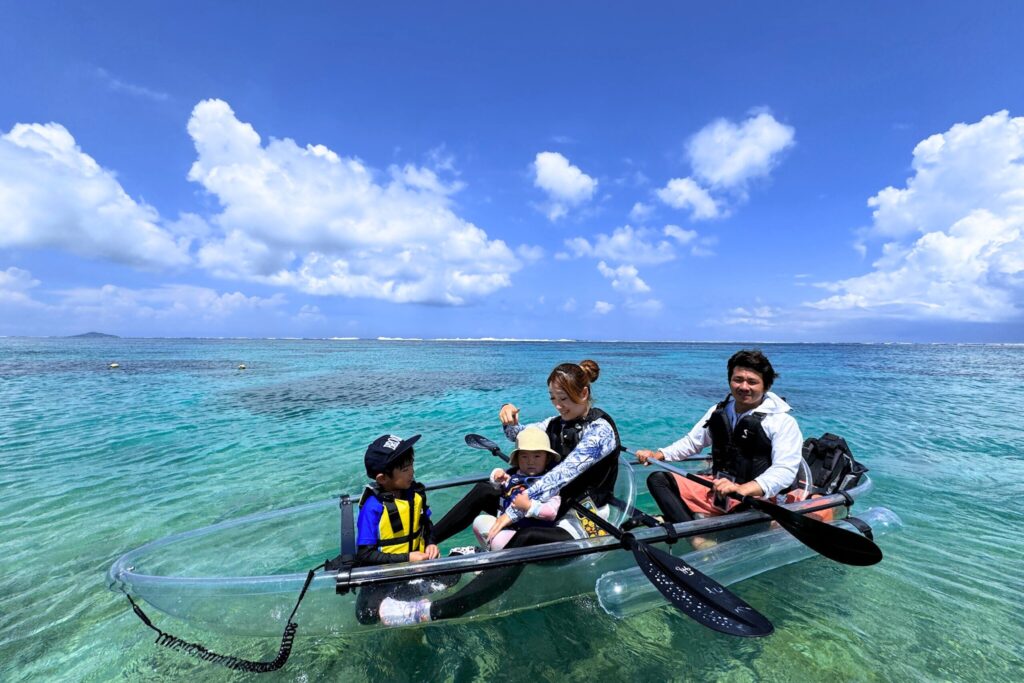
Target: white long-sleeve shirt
[779,426]
[596,441]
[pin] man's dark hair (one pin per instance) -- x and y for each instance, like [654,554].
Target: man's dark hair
[753,359]
[403,460]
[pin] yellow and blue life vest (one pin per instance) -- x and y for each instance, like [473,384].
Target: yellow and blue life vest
[402,527]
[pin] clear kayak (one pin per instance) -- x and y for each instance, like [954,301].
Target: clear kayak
[243,576]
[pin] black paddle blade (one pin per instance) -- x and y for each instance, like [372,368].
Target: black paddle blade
[477,441]
[698,596]
[835,543]
[482,442]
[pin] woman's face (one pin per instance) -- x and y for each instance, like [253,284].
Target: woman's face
[565,406]
[532,462]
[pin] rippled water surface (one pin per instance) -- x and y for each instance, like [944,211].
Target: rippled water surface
[96,461]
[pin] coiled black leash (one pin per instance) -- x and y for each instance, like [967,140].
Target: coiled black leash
[235,663]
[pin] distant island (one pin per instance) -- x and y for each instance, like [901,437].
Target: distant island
[94,335]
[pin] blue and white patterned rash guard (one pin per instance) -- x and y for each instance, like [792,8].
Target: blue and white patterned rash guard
[596,441]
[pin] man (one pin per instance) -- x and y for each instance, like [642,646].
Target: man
[756,445]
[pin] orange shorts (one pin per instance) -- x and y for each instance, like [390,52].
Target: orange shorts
[701,500]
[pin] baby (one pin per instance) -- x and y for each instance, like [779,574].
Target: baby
[532,457]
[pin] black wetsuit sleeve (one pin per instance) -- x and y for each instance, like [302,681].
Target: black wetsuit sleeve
[428,529]
[368,554]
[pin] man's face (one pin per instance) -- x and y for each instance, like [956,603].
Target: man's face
[747,388]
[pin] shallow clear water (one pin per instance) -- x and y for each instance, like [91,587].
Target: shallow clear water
[94,462]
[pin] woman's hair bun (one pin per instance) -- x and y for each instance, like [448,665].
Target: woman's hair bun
[591,369]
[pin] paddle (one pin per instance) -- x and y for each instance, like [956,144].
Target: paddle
[697,595]
[835,543]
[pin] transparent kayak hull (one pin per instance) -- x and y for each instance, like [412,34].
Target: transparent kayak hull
[243,576]
[627,592]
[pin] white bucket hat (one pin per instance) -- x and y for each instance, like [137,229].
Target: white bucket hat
[532,439]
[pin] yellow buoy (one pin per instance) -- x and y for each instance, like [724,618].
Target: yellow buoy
[114,366]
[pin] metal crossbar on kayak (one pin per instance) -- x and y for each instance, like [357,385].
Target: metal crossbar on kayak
[363,576]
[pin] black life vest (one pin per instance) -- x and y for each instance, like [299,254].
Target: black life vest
[598,481]
[403,527]
[744,451]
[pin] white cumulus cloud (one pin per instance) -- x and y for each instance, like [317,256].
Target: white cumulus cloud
[969,167]
[640,212]
[566,185]
[956,232]
[53,195]
[625,278]
[685,194]
[603,307]
[756,316]
[727,155]
[530,253]
[310,219]
[168,309]
[635,245]
[310,314]
[15,284]
[17,279]
[185,302]
[704,247]
[644,306]
[680,235]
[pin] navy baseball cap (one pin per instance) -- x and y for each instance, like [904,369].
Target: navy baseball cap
[384,451]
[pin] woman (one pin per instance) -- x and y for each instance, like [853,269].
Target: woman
[587,440]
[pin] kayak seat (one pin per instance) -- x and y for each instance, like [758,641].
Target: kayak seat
[581,527]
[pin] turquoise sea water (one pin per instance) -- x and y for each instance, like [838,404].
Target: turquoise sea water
[94,462]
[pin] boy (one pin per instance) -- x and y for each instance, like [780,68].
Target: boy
[533,456]
[394,520]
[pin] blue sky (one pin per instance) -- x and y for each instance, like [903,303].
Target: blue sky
[809,172]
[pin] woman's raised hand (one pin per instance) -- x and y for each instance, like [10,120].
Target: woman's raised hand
[644,455]
[509,415]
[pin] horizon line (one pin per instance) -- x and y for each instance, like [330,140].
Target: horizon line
[514,340]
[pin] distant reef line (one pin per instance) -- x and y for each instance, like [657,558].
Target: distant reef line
[93,335]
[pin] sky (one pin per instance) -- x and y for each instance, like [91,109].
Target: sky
[731,171]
